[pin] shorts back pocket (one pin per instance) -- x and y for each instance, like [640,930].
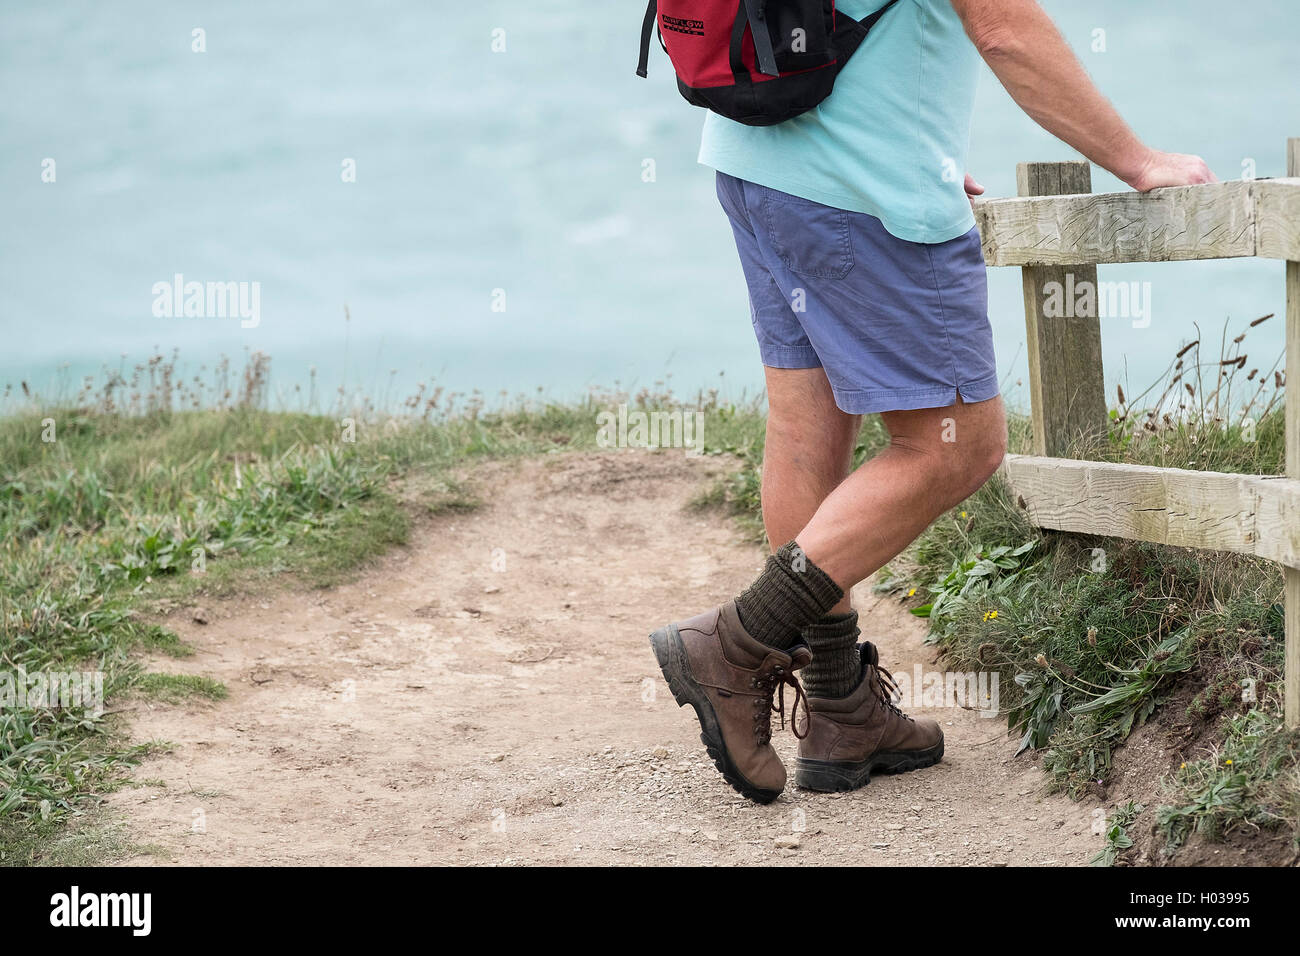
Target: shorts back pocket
[810,239]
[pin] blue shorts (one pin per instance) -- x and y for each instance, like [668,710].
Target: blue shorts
[896,324]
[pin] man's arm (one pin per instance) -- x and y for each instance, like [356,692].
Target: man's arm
[1032,60]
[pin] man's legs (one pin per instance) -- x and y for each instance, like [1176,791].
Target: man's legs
[936,458]
[851,527]
[808,452]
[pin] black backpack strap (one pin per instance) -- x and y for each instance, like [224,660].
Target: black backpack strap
[871,21]
[849,34]
[762,37]
[647,31]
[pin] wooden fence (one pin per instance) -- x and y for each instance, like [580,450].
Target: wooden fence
[1057,228]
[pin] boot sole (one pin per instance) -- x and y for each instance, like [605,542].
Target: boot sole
[839,776]
[671,655]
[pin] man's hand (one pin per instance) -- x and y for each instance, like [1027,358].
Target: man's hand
[1172,169]
[1028,54]
[973,189]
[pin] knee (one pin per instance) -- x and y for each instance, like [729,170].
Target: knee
[977,460]
[960,467]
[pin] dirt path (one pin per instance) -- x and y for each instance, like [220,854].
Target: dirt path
[468,705]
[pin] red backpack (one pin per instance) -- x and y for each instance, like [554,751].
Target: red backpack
[758,62]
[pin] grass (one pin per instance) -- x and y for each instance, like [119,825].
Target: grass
[1117,838]
[172,688]
[1250,781]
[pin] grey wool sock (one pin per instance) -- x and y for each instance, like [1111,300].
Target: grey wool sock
[836,664]
[789,594]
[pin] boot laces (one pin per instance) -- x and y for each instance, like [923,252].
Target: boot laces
[888,692]
[774,683]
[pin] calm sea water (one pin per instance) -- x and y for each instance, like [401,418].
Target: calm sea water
[479,171]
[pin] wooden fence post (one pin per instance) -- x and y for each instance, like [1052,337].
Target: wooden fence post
[1291,575]
[1066,383]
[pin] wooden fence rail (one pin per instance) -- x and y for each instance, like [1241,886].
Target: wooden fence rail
[1057,231]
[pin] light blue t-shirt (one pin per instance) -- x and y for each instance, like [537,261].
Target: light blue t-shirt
[892,138]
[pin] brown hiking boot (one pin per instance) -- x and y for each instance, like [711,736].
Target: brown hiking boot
[849,737]
[711,663]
